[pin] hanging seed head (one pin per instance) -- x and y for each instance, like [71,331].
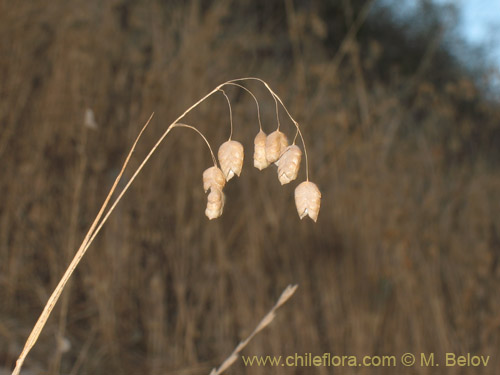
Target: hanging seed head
[215,203]
[276,143]
[213,178]
[231,158]
[289,164]
[308,200]
[259,156]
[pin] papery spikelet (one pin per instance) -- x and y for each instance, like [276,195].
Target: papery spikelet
[308,200]
[231,158]
[276,143]
[289,164]
[215,203]
[259,156]
[213,178]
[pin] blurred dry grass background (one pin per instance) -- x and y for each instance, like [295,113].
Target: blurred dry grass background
[405,256]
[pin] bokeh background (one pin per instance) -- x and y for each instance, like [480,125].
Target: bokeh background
[402,125]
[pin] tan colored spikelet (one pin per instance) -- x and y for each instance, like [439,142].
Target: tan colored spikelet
[215,203]
[259,156]
[276,143]
[289,164]
[231,158]
[308,200]
[213,178]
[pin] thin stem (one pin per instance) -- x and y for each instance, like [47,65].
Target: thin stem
[231,82]
[277,112]
[305,149]
[254,98]
[148,156]
[277,98]
[92,232]
[266,320]
[296,135]
[230,112]
[201,134]
[49,306]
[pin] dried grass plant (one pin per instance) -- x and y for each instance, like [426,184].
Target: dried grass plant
[409,219]
[231,154]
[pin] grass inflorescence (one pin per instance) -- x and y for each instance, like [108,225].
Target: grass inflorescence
[274,148]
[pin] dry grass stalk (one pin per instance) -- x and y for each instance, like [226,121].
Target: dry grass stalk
[102,217]
[49,306]
[268,318]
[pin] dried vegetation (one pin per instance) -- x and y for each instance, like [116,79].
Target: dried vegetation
[403,258]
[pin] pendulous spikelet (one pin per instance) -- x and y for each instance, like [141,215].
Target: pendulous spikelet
[215,203]
[276,143]
[213,178]
[259,156]
[289,164]
[308,200]
[231,158]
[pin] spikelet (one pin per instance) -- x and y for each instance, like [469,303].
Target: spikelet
[231,158]
[213,178]
[215,203]
[289,164]
[308,200]
[276,143]
[259,156]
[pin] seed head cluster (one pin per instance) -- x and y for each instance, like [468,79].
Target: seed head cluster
[268,149]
